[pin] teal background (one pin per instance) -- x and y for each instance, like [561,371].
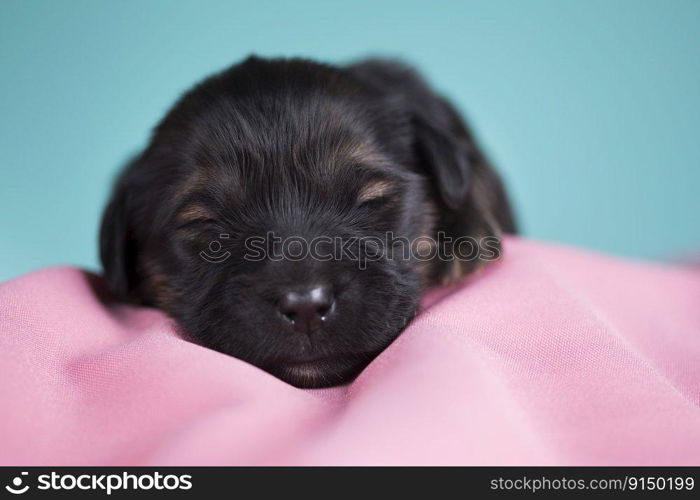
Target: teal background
[591,109]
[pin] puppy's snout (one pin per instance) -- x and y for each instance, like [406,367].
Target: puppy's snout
[307,309]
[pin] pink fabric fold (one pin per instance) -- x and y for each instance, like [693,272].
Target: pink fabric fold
[552,356]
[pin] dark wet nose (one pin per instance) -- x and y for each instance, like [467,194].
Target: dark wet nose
[307,309]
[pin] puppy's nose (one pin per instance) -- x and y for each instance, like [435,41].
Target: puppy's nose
[308,309]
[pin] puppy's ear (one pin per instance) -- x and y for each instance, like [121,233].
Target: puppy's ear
[445,158]
[117,246]
[470,189]
[469,193]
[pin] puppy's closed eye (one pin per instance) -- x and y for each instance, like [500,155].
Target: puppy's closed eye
[194,222]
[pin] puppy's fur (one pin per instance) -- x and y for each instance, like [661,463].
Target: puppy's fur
[303,149]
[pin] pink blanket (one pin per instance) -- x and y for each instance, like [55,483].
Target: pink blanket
[552,356]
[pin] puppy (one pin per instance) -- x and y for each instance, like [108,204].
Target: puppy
[273,151]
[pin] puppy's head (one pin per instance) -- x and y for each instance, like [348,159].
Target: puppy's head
[287,213]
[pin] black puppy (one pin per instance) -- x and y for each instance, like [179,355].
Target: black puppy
[274,152]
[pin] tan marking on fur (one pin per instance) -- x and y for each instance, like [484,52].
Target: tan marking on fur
[426,268]
[374,190]
[481,202]
[193,213]
[454,274]
[157,286]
